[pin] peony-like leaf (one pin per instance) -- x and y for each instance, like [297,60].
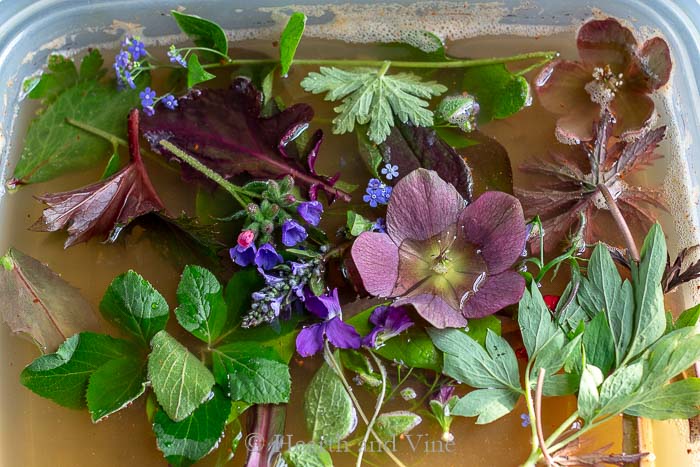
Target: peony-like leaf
[106,207]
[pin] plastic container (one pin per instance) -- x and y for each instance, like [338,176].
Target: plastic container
[32,29]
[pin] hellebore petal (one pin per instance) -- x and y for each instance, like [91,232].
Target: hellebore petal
[496,293]
[560,86]
[633,112]
[342,335]
[377,260]
[606,42]
[655,62]
[310,339]
[435,311]
[422,205]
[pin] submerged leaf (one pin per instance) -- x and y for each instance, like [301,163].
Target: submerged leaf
[203,32]
[328,409]
[37,302]
[106,207]
[499,92]
[289,40]
[307,455]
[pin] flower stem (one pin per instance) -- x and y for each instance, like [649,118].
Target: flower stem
[377,409]
[620,221]
[538,417]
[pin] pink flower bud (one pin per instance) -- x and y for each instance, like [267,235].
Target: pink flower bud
[245,238]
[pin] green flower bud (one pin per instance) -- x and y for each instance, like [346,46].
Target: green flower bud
[460,111]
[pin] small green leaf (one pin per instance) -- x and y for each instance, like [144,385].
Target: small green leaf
[132,304]
[91,65]
[618,390]
[669,356]
[588,397]
[359,364]
[598,343]
[115,385]
[63,376]
[328,409]
[289,40]
[535,320]
[455,137]
[677,400]
[251,374]
[499,92]
[307,455]
[552,357]
[487,404]
[478,328]
[357,223]
[688,318]
[369,151]
[203,32]
[180,381]
[112,167]
[185,442]
[201,310]
[393,424]
[195,73]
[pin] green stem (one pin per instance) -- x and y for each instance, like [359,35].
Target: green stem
[377,409]
[232,189]
[535,450]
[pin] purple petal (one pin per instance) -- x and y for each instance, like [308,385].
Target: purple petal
[435,310]
[397,320]
[243,256]
[377,260]
[606,42]
[421,206]
[269,278]
[370,340]
[310,339]
[496,224]
[267,257]
[324,306]
[655,62]
[379,314]
[578,125]
[444,395]
[342,335]
[293,233]
[496,293]
[311,212]
[633,112]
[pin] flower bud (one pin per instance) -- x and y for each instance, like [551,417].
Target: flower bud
[460,111]
[252,209]
[268,227]
[245,238]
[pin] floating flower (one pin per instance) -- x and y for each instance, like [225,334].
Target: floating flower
[390,171]
[442,403]
[551,301]
[243,255]
[388,321]
[449,261]
[170,101]
[267,257]
[147,97]
[377,193]
[136,48]
[293,233]
[379,225]
[310,211]
[326,307]
[614,72]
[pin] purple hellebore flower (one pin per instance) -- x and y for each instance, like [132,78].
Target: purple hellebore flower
[311,212]
[243,256]
[267,257]
[293,233]
[388,322]
[449,261]
[326,307]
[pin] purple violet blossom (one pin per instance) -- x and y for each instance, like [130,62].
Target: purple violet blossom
[326,307]
[388,322]
[267,257]
[243,256]
[293,233]
[311,212]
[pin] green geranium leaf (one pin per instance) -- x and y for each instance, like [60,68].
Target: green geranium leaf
[180,381]
[132,304]
[195,73]
[671,401]
[599,344]
[62,74]
[499,92]
[307,455]
[63,376]
[486,404]
[588,397]
[289,41]
[185,442]
[328,410]
[203,32]
[252,374]
[392,424]
[202,309]
[115,385]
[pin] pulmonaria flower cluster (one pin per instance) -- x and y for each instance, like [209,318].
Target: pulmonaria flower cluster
[265,257]
[448,260]
[377,193]
[614,72]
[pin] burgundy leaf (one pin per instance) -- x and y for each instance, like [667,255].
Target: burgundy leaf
[224,130]
[106,207]
[489,164]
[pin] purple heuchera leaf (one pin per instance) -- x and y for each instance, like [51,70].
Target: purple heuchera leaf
[310,339]
[311,212]
[267,257]
[293,233]
[223,129]
[451,261]
[389,321]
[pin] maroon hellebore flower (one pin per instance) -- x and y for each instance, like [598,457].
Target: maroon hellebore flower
[450,261]
[614,72]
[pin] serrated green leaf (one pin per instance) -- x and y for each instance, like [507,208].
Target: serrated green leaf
[677,400]
[289,40]
[62,75]
[328,409]
[372,97]
[203,32]
[487,404]
[132,304]
[202,309]
[180,381]
[588,397]
[255,375]
[63,376]
[307,455]
[115,385]
[195,73]
[535,321]
[688,318]
[499,92]
[392,424]
[184,443]
[598,343]
[91,65]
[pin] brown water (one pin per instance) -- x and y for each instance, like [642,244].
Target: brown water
[37,432]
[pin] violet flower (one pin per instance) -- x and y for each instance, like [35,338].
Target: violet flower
[615,72]
[310,339]
[293,233]
[449,261]
[311,212]
[243,256]
[267,257]
[442,403]
[388,322]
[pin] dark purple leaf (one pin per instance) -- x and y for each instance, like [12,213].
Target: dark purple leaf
[224,130]
[106,207]
[489,164]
